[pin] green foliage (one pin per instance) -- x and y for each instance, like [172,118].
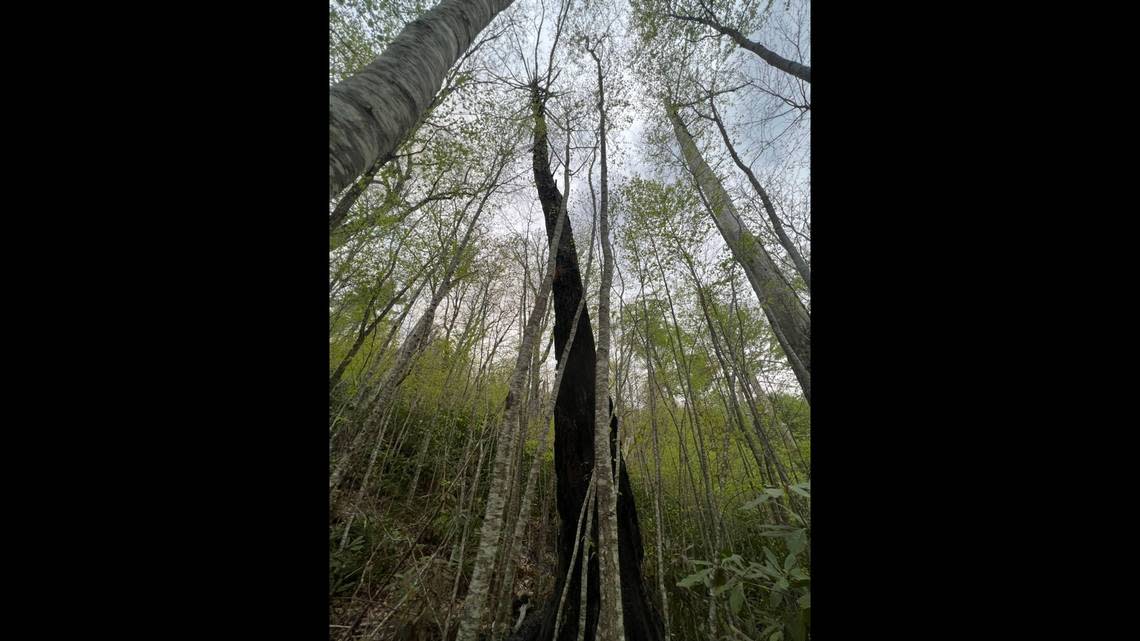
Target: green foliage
[680,288]
[769,592]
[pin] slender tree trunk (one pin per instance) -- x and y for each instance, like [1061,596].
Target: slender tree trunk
[373,110]
[660,524]
[474,604]
[786,314]
[797,259]
[727,367]
[468,517]
[803,72]
[340,212]
[583,536]
[611,622]
[411,346]
[589,535]
[684,366]
[511,558]
[365,332]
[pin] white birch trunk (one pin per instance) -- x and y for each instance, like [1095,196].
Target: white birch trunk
[786,314]
[371,112]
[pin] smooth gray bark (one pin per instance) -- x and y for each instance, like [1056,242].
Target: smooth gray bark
[797,259]
[372,111]
[786,314]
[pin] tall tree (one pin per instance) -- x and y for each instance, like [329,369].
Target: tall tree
[475,603]
[574,436]
[413,343]
[787,315]
[709,19]
[612,627]
[372,111]
[777,226]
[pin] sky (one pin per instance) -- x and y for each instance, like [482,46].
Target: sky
[628,148]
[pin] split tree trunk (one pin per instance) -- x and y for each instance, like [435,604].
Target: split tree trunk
[574,443]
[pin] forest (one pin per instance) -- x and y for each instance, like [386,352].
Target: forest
[564,232]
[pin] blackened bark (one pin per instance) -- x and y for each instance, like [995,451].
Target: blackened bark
[574,442]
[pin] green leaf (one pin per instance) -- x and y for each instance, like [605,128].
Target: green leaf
[735,562]
[778,635]
[799,633]
[771,558]
[694,579]
[804,601]
[755,504]
[736,599]
[789,561]
[797,542]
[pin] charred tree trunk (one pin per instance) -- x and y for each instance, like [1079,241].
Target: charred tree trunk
[574,441]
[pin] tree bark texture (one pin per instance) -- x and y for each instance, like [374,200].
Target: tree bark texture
[803,72]
[612,628]
[370,112]
[574,441]
[786,314]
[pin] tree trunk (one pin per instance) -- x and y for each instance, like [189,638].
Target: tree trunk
[786,314]
[371,112]
[366,331]
[803,72]
[410,347]
[798,260]
[611,627]
[659,524]
[474,604]
[573,438]
[340,212]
